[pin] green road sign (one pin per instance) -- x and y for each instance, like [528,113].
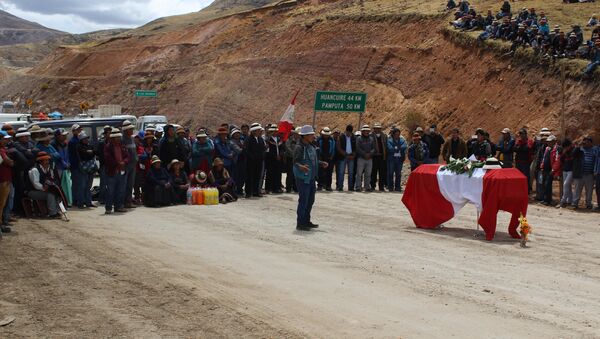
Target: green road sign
[340,102]
[145,94]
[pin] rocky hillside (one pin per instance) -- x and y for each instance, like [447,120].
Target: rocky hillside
[246,67]
[14,30]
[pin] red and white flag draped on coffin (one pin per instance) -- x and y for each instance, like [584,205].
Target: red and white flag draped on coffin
[433,196]
[286,123]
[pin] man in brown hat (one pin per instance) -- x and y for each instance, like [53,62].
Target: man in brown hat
[379,172]
[116,158]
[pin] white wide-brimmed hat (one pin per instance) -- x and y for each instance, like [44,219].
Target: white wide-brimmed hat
[492,163]
[307,130]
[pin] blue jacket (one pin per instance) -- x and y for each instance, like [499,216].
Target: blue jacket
[331,148]
[223,150]
[508,151]
[52,152]
[64,156]
[306,154]
[397,149]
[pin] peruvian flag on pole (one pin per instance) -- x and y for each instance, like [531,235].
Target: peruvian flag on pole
[286,123]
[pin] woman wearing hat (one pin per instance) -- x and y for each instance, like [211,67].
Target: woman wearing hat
[219,177]
[180,181]
[87,158]
[199,180]
[41,176]
[158,190]
[239,161]
[202,152]
[115,162]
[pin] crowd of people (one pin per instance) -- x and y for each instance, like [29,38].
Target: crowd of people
[527,28]
[157,168]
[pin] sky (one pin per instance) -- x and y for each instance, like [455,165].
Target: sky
[80,16]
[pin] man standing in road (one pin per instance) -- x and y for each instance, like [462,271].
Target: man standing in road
[306,166]
[379,173]
[255,147]
[434,141]
[346,148]
[365,149]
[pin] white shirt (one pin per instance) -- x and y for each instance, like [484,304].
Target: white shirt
[348,144]
[34,177]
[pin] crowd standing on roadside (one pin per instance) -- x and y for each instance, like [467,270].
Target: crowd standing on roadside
[528,28]
[159,169]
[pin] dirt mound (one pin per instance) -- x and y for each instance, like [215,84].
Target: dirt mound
[246,67]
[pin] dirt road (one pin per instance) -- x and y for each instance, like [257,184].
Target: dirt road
[241,270]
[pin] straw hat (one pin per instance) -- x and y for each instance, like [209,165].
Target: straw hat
[326,131]
[506,131]
[115,133]
[492,163]
[202,134]
[365,128]
[155,159]
[201,177]
[255,127]
[235,130]
[127,125]
[173,162]
[218,161]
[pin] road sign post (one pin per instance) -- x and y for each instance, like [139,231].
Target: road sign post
[353,102]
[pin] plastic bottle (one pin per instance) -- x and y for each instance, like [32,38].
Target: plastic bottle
[201,197]
[189,196]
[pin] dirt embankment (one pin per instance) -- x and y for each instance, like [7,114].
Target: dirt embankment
[246,67]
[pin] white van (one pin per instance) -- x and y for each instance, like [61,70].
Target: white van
[5,117]
[144,121]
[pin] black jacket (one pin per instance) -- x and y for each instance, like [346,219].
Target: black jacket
[255,148]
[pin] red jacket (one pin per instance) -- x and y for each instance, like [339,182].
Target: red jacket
[555,161]
[110,162]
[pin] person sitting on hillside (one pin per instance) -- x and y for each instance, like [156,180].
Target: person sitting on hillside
[490,32]
[505,10]
[450,5]
[572,48]
[543,26]
[489,19]
[595,59]
[593,21]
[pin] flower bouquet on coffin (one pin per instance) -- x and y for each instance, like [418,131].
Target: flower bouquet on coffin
[461,166]
[524,230]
